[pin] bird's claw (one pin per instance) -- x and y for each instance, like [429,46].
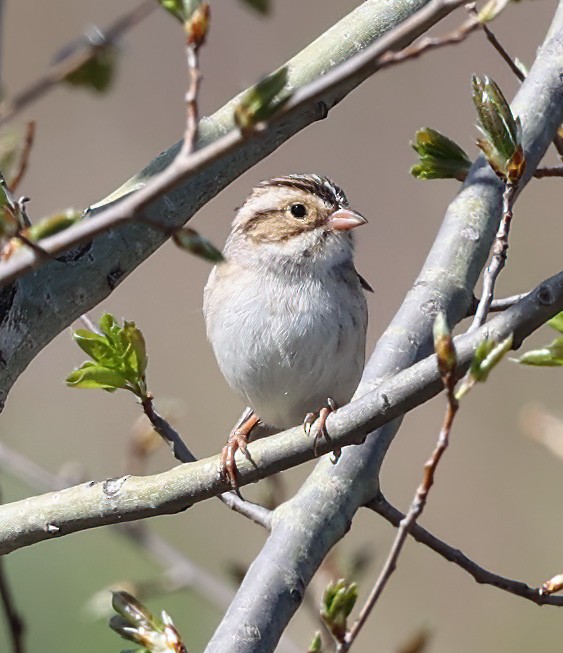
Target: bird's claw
[238,439]
[322,415]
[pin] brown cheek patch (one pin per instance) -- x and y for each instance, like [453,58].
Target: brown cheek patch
[277,228]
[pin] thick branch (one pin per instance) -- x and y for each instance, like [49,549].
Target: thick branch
[129,498]
[53,296]
[307,526]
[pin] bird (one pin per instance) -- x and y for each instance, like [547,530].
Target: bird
[285,311]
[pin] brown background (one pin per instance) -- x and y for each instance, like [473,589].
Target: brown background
[497,494]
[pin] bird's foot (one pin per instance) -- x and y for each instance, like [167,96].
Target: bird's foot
[322,415]
[238,439]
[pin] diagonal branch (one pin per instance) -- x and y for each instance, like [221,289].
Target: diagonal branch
[382,507]
[129,498]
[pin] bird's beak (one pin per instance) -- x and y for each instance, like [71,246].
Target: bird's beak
[345,219]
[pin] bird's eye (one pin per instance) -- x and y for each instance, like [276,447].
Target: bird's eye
[298,210]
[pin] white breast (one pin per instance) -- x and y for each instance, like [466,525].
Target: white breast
[285,347]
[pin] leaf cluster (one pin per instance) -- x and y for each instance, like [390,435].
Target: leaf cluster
[119,358]
[551,355]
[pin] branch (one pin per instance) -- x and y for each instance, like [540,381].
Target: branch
[129,498]
[308,525]
[382,507]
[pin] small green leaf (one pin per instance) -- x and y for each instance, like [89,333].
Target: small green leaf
[137,351]
[261,6]
[337,603]
[180,9]
[262,100]
[52,225]
[487,355]
[316,645]
[491,10]
[97,72]
[501,141]
[556,322]
[97,347]
[90,375]
[440,157]
[191,241]
[550,356]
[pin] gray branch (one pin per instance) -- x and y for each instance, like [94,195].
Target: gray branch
[306,527]
[36,307]
[129,498]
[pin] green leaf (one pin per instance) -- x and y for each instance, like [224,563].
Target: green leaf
[97,347]
[180,9]
[337,603]
[191,241]
[97,72]
[556,322]
[136,351]
[261,6]
[550,356]
[316,645]
[90,375]
[501,142]
[262,100]
[53,225]
[119,355]
[488,355]
[440,157]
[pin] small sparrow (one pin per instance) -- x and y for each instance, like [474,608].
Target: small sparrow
[286,313]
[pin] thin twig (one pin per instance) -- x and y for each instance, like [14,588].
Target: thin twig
[196,31]
[130,207]
[497,305]
[169,434]
[556,171]
[24,156]
[73,61]
[16,625]
[429,43]
[503,53]
[415,510]
[14,621]
[483,576]
[500,249]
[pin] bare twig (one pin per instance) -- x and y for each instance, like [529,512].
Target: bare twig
[196,31]
[429,43]
[75,60]
[503,53]
[132,206]
[14,621]
[24,156]
[416,508]
[16,625]
[556,171]
[497,305]
[169,434]
[483,576]
[500,249]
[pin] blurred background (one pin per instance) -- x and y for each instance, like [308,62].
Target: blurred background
[497,495]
